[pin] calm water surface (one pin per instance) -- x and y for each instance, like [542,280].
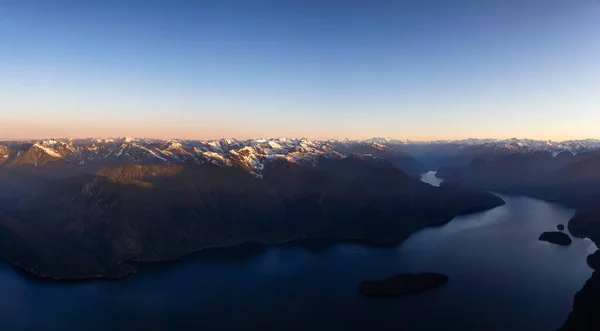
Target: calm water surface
[501,278]
[430,178]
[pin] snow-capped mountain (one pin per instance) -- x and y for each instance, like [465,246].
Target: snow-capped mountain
[4,152]
[512,144]
[253,154]
[528,145]
[250,154]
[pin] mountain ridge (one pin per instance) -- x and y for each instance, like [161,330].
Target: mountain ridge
[412,157]
[91,225]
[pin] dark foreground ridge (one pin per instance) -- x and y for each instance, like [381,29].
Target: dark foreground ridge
[585,315]
[94,225]
[586,306]
[402,284]
[557,238]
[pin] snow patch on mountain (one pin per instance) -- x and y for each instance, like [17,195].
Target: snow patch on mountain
[151,152]
[47,150]
[120,152]
[215,158]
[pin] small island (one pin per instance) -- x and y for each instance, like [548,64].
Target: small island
[560,227]
[557,238]
[402,284]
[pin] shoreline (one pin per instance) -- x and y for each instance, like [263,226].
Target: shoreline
[132,270]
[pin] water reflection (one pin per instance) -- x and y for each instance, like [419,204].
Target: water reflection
[501,278]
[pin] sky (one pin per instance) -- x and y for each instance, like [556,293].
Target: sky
[420,70]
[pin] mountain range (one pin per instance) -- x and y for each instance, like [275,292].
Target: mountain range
[85,155]
[251,155]
[86,208]
[157,151]
[566,172]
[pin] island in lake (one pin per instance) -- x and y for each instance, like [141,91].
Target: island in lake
[557,238]
[402,284]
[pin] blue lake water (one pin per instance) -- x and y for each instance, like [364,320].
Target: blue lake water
[501,278]
[430,178]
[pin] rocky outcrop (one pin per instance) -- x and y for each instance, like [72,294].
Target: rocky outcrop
[593,260]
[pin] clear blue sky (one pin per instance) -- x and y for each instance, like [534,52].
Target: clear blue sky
[208,69]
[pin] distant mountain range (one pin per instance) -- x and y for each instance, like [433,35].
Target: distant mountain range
[512,165]
[253,154]
[547,169]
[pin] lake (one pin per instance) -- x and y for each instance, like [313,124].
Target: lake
[501,278]
[430,178]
